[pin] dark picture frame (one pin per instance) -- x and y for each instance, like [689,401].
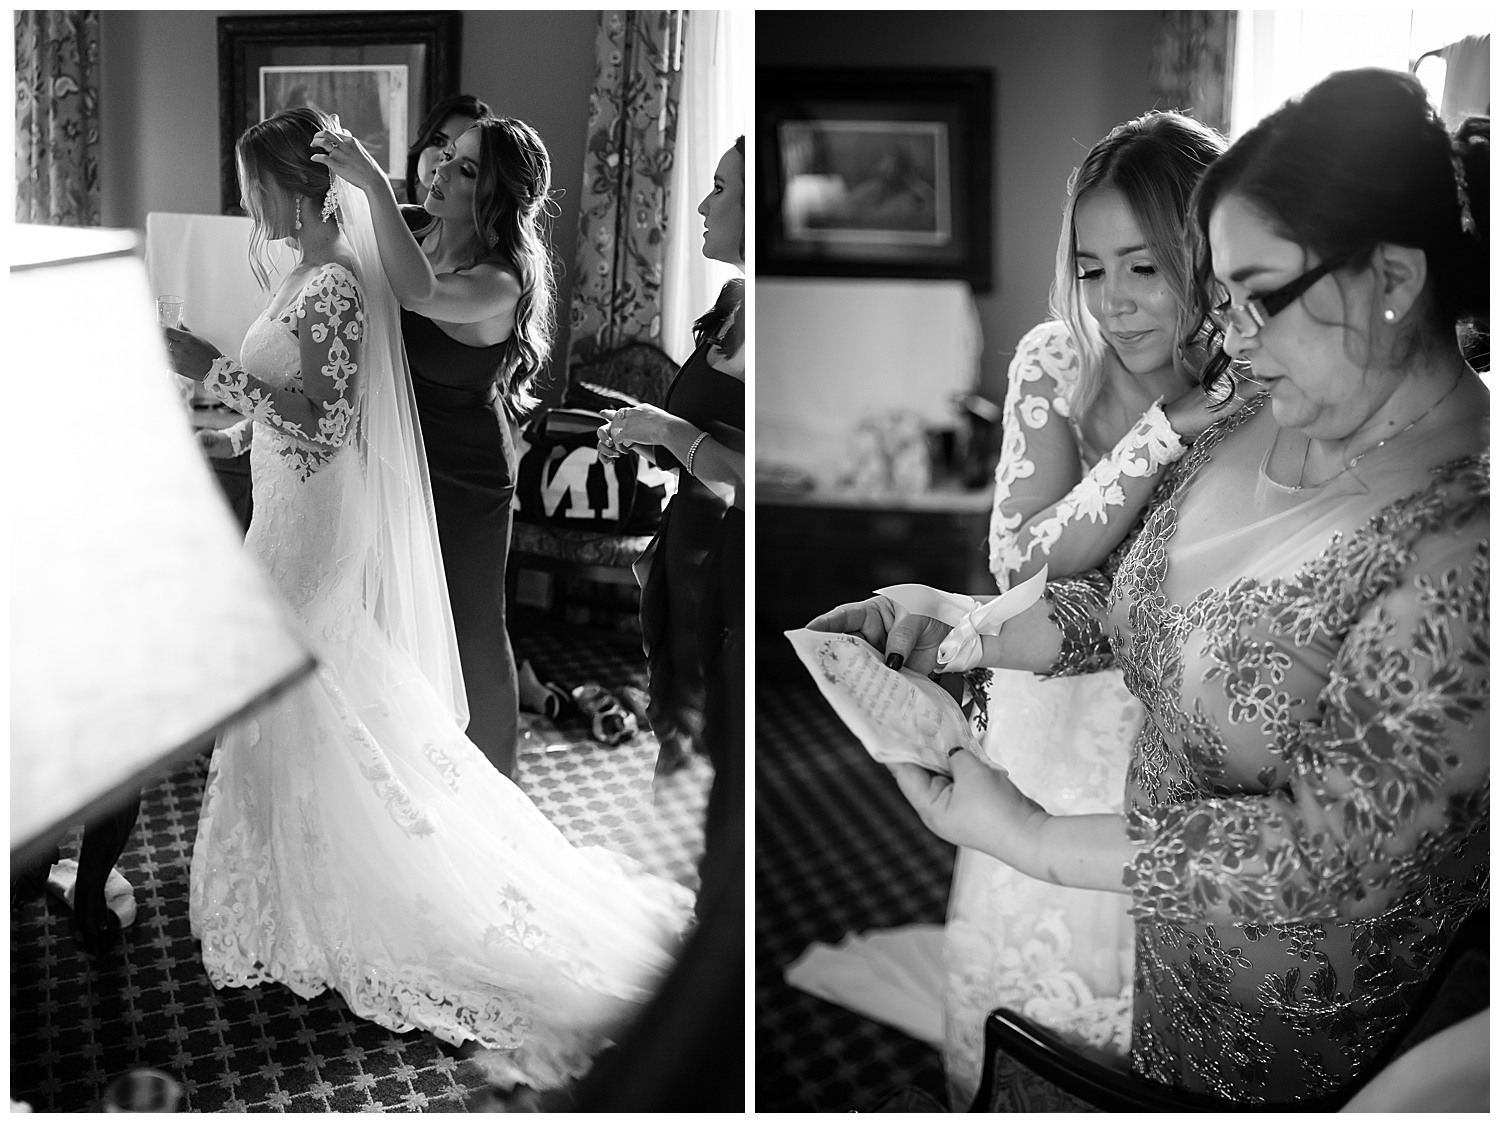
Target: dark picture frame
[379,71]
[875,172]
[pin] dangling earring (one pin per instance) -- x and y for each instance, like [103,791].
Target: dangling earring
[1390,315]
[331,202]
[298,221]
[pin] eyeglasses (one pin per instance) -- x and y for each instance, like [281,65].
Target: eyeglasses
[1248,318]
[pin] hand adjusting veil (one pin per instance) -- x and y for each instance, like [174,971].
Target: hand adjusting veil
[387,522]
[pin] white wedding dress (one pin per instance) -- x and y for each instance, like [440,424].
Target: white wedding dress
[1063,957]
[352,838]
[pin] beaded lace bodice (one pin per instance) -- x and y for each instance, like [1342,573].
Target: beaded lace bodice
[1309,795]
[302,458]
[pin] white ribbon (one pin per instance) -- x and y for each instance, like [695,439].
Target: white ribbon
[970,619]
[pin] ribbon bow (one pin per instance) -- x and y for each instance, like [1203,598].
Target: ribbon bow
[969,618]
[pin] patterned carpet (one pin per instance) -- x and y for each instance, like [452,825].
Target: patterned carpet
[837,849]
[78,1023]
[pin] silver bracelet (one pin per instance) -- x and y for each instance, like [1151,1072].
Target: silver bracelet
[692,449]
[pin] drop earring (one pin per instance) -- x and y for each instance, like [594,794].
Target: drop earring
[298,221]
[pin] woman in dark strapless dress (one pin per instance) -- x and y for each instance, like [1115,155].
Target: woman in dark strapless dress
[471,269]
[471,459]
[693,573]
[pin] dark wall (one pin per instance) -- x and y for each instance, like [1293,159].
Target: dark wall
[1062,80]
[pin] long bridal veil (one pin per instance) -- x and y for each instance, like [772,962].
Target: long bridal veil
[387,526]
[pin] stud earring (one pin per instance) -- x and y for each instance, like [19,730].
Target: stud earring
[1390,315]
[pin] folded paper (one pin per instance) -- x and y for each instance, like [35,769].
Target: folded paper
[899,716]
[970,619]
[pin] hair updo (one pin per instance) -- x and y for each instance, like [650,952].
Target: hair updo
[277,153]
[1361,159]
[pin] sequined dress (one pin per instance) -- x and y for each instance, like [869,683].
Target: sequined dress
[1308,797]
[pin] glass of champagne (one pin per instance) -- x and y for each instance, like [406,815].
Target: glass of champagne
[169,315]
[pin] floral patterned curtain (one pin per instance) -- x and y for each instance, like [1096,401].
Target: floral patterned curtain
[627,164]
[1190,64]
[57,118]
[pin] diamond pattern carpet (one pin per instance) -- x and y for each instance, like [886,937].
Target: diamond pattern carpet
[837,849]
[78,1022]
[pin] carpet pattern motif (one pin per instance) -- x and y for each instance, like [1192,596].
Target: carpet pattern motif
[837,849]
[79,1022]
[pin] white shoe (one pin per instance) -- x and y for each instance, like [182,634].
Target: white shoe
[118,894]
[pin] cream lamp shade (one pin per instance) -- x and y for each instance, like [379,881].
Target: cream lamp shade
[139,624]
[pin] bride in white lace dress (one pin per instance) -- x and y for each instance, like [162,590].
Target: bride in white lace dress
[351,836]
[1086,439]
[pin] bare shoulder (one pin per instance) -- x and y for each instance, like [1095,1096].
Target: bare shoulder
[498,273]
[732,365]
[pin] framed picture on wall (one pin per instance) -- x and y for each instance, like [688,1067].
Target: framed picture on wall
[379,72]
[875,173]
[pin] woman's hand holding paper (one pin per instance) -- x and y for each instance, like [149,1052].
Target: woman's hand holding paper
[977,807]
[908,640]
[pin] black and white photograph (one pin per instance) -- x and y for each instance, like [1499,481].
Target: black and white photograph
[750,561]
[867,181]
[369,101]
[1121,729]
[875,172]
[378,724]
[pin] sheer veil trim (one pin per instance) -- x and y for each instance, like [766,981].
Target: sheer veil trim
[387,522]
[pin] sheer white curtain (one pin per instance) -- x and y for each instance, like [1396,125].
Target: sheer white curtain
[715,108]
[1283,52]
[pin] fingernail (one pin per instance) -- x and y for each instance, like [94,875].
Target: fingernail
[894,660]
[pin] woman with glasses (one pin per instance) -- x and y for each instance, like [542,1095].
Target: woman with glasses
[1303,615]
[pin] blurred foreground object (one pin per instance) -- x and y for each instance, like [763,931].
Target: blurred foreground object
[139,627]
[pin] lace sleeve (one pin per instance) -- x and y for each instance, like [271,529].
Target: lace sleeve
[1389,784]
[240,434]
[330,334]
[1047,510]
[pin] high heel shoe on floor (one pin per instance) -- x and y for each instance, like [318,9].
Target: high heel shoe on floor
[118,894]
[610,722]
[634,699]
[538,697]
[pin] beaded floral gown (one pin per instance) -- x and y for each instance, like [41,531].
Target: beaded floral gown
[1309,796]
[1061,956]
[351,836]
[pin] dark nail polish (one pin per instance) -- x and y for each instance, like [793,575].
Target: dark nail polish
[895,660]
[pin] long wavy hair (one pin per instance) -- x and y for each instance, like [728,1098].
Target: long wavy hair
[277,153]
[1154,161]
[1359,159]
[462,105]
[513,209]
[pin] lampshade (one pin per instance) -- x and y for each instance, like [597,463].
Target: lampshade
[139,624]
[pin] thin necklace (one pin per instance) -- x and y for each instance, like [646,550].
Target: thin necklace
[1357,457]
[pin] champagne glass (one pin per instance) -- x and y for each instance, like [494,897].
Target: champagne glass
[169,315]
[169,311]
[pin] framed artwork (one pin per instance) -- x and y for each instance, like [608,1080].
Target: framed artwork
[875,173]
[379,72]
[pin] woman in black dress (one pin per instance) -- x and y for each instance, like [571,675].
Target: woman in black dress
[444,123]
[693,573]
[474,278]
